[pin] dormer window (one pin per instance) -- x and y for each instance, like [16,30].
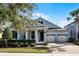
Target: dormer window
[40,22]
[71,26]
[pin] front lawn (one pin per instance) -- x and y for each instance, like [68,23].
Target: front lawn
[23,50]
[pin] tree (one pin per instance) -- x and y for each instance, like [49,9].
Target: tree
[7,35]
[12,14]
[75,16]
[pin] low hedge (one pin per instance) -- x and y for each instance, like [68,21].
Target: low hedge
[24,41]
[18,43]
[72,40]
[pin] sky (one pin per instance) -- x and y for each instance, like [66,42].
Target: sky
[56,13]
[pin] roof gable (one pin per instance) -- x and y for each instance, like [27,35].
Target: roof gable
[48,24]
[69,24]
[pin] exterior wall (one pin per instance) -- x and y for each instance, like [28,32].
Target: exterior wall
[53,35]
[57,36]
[72,30]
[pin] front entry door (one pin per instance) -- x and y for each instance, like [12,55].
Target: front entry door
[41,38]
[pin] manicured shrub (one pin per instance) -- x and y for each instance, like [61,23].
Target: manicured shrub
[26,44]
[72,40]
[15,44]
[22,44]
[23,41]
[18,43]
[2,43]
[32,44]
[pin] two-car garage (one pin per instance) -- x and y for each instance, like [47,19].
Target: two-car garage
[57,35]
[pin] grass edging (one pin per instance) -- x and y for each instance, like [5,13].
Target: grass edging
[23,50]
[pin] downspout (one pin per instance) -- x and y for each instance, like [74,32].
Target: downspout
[76,32]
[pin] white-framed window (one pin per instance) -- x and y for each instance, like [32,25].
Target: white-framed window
[14,34]
[62,34]
[50,34]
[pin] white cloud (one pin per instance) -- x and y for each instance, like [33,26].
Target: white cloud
[60,23]
[37,15]
[63,23]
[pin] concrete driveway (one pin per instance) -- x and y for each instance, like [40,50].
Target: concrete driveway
[63,48]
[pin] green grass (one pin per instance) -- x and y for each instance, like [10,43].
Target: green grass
[22,50]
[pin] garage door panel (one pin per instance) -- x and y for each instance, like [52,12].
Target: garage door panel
[61,38]
[50,38]
[58,37]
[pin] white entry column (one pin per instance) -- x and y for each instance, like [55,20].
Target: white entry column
[26,35]
[18,35]
[36,36]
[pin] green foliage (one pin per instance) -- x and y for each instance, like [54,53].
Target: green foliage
[18,43]
[7,34]
[75,15]
[24,41]
[32,44]
[72,40]
[12,12]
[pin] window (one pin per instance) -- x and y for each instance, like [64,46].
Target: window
[59,34]
[66,34]
[33,35]
[14,33]
[71,26]
[53,34]
[40,22]
[47,34]
[50,34]
[62,34]
[24,36]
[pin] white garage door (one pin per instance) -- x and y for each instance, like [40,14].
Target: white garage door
[50,37]
[62,38]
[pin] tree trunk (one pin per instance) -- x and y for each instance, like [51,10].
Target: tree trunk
[6,43]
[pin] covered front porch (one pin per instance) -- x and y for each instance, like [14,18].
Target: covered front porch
[38,35]
[35,32]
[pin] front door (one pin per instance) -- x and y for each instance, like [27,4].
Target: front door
[41,38]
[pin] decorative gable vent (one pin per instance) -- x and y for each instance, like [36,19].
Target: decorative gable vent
[40,22]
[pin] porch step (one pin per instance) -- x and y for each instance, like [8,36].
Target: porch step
[40,43]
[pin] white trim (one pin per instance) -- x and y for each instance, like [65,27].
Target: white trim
[18,35]
[26,36]
[36,36]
